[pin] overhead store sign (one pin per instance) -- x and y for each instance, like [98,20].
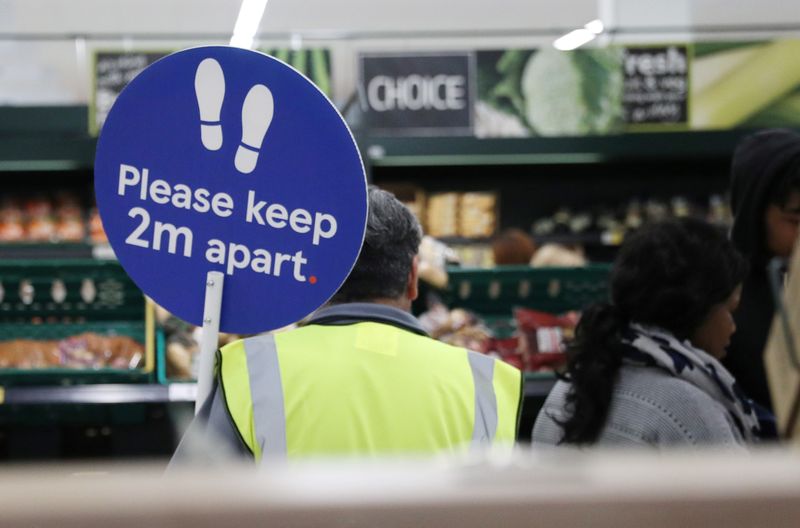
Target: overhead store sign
[544,92]
[547,92]
[224,159]
[417,94]
[589,91]
[656,85]
[745,84]
[114,69]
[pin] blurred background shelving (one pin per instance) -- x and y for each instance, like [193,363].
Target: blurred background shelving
[582,191]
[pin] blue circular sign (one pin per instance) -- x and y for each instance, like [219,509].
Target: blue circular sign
[225,159]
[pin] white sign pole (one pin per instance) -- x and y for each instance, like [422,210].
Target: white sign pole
[210,336]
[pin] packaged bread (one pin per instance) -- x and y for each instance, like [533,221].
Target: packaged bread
[40,229]
[477,214]
[70,230]
[12,229]
[412,196]
[85,350]
[29,354]
[96,232]
[442,214]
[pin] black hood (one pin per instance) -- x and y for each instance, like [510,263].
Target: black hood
[759,162]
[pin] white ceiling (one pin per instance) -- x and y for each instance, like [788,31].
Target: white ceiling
[208,16]
[42,61]
[218,16]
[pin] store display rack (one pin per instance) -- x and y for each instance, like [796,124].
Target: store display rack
[86,320]
[111,393]
[462,151]
[51,138]
[537,385]
[61,250]
[55,140]
[606,239]
[498,290]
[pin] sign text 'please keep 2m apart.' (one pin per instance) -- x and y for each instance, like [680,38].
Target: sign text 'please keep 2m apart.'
[224,159]
[179,240]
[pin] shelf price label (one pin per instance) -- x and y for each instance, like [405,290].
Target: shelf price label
[224,159]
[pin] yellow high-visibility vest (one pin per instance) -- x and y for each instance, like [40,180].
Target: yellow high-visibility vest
[365,389]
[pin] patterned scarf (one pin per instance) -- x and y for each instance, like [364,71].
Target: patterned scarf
[652,347]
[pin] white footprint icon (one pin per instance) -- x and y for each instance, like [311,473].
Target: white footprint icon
[257,114]
[209,85]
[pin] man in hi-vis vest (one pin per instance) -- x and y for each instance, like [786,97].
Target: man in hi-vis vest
[361,378]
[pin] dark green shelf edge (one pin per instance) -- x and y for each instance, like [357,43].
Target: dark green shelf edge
[56,138]
[102,394]
[537,385]
[60,250]
[45,139]
[46,153]
[630,147]
[55,120]
[592,239]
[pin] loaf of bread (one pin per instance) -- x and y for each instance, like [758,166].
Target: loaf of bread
[442,217]
[477,214]
[86,350]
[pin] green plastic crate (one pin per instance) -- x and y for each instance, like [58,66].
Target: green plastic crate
[118,308]
[117,298]
[161,360]
[74,376]
[498,290]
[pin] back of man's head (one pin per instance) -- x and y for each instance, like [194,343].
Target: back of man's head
[390,244]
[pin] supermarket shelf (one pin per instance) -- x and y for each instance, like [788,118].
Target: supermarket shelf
[536,386]
[589,239]
[48,138]
[464,241]
[100,394]
[20,153]
[459,151]
[69,120]
[606,239]
[57,139]
[10,251]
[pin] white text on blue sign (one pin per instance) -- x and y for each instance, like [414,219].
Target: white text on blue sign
[179,240]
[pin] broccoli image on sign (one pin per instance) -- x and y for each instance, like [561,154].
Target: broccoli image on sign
[549,92]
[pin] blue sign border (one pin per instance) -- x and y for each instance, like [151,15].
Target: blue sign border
[308,146]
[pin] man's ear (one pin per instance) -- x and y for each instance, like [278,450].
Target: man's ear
[412,288]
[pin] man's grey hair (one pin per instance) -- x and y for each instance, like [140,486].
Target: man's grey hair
[391,241]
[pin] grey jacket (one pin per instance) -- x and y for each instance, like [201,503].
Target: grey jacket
[649,408]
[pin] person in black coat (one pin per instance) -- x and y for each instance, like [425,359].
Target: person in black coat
[765,198]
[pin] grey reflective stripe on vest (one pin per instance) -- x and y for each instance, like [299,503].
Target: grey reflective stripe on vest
[485,400]
[266,393]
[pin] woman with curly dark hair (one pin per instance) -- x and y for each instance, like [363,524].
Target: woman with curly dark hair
[644,369]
